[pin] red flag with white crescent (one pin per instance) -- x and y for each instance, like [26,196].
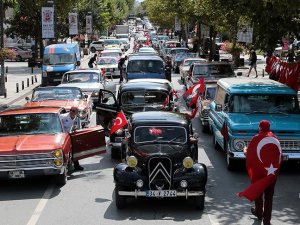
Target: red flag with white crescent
[263,162]
[119,122]
[193,92]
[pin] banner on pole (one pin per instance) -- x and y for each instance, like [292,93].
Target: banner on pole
[73,24]
[48,22]
[89,24]
[177,24]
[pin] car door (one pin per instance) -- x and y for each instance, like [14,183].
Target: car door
[106,108]
[88,142]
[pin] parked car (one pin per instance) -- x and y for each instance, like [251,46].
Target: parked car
[90,81]
[66,97]
[185,66]
[97,46]
[22,54]
[33,143]
[210,71]
[108,66]
[203,102]
[133,96]
[161,160]
[241,103]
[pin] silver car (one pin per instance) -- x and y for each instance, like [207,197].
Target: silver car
[21,53]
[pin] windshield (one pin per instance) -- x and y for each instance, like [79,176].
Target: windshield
[57,59]
[56,94]
[165,134]
[134,98]
[82,77]
[263,104]
[213,70]
[27,124]
[140,66]
[107,61]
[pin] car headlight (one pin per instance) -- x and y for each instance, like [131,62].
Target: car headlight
[57,153]
[239,144]
[82,114]
[58,162]
[188,162]
[132,161]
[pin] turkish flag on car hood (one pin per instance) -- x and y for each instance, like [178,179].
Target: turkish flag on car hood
[119,122]
[263,162]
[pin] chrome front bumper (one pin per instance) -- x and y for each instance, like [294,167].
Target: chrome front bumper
[138,193]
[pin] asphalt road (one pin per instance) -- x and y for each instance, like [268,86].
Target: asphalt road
[88,196]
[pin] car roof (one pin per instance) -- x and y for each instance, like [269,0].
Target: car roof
[30,110]
[144,57]
[159,117]
[243,85]
[145,84]
[55,87]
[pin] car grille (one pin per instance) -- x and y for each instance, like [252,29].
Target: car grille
[30,161]
[160,173]
[287,145]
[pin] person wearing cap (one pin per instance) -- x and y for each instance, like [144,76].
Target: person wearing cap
[263,160]
[70,121]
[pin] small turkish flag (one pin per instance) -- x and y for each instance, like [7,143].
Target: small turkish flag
[224,131]
[193,92]
[263,161]
[119,122]
[166,102]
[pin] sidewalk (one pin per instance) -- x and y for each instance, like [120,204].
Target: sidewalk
[261,63]
[18,73]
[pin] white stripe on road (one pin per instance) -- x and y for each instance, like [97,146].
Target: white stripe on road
[40,207]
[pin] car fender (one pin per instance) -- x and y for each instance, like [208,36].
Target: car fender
[126,175]
[196,176]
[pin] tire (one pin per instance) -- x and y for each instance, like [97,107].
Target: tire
[19,58]
[199,202]
[231,163]
[120,200]
[93,50]
[115,153]
[216,144]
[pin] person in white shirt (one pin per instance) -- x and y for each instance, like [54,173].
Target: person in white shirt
[70,120]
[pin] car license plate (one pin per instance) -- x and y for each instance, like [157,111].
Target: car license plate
[161,193]
[285,157]
[16,174]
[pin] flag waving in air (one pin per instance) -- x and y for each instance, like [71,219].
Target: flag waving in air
[119,122]
[263,162]
[192,94]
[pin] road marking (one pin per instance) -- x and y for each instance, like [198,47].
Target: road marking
[41,205]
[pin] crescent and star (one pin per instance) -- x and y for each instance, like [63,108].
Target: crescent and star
[118,119]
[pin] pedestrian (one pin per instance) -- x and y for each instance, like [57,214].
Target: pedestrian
[253,60]
[92,61]
[263,160]
[290,56]
[70,121]
[120,66]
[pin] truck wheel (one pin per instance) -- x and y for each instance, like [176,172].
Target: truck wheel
[93,50]
[215,143]
[231,163]
[199,202]
[120,200]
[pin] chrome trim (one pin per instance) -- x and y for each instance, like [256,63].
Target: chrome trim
[137,192]
[115,144]
[88,152]
[160,169]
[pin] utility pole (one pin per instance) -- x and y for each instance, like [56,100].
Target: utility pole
[2,77]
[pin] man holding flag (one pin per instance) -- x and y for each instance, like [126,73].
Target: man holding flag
[263,160]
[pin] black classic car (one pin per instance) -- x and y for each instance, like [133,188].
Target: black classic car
[134,96]
[161,160]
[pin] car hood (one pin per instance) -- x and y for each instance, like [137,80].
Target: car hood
[37,143]
[85,87]
[67,104]
[145,75]
[280,124]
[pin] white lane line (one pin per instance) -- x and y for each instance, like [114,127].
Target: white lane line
[40,207]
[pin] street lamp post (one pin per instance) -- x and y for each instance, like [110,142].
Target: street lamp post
[2,77]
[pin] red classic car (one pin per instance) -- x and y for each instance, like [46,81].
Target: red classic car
[33,142]
[63,97]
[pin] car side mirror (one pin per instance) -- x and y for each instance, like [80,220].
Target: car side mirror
[27,99]
[218,107]
[78,63]
[239,74]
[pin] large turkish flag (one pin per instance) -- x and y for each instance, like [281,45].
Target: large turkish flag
[193,93]
[263,162]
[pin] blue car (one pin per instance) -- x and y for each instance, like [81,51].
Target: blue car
[241,103]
